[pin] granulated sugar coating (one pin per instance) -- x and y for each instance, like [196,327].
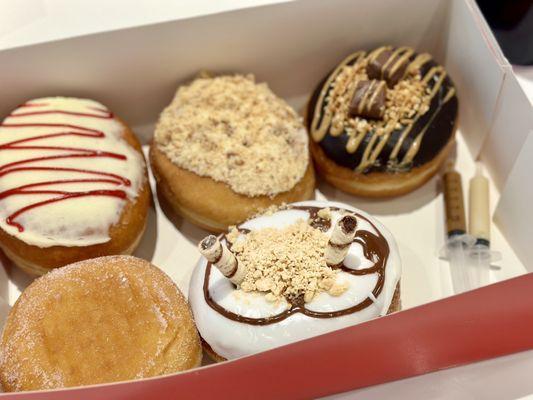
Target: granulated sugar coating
[235,131]
[101,320]
[287,262]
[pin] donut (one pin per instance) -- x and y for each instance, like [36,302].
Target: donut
[303,270]
[73,184]
[227,147]
[382,122]
[107,319]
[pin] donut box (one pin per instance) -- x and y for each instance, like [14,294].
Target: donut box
[453,342]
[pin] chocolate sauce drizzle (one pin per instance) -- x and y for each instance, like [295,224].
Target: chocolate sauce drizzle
[375,248]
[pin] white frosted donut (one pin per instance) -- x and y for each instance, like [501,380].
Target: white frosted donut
[73,184]
[229,338]
[60,147]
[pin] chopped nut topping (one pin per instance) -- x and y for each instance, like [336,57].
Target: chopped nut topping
[233,234]
[235,131]
[403,101]
[337,290]
[324,213]
[286,263]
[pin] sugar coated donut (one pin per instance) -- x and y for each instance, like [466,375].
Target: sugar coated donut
[106,319]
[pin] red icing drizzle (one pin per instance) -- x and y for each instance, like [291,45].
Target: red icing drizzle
[70,152]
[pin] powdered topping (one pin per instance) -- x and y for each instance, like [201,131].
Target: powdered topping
[286,263]
[235,131]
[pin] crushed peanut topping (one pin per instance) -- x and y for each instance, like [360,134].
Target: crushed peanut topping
[404,101]
[286,263]
[235,131]
[324,213]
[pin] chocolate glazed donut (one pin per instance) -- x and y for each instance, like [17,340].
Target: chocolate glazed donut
[401,155]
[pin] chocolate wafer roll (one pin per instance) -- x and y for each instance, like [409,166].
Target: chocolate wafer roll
[221,257]
[340,240]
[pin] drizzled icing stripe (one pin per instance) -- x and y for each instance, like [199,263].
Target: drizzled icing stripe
[106,114]
[73,152]
[322,123]
[435,71]
[46,154]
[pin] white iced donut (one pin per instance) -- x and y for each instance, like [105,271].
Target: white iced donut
[234,322]
[73,184]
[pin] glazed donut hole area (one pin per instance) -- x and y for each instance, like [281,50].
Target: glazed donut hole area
[166,101]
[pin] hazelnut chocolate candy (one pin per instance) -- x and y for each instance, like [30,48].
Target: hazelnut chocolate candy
[387,65]
[368,100]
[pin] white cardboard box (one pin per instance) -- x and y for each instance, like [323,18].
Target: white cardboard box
[135,72]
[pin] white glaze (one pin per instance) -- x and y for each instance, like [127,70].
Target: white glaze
[231,339]
[80,221]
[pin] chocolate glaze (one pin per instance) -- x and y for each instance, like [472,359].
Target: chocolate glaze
[439,120]
[375,248]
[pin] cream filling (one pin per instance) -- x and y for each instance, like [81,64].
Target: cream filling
[231,339]
[80,221]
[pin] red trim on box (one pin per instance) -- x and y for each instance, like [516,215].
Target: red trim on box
[485,323]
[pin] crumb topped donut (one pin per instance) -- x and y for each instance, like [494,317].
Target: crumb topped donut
[226,147]
[306,269]
[382,122]
[73,184]
[101,320]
